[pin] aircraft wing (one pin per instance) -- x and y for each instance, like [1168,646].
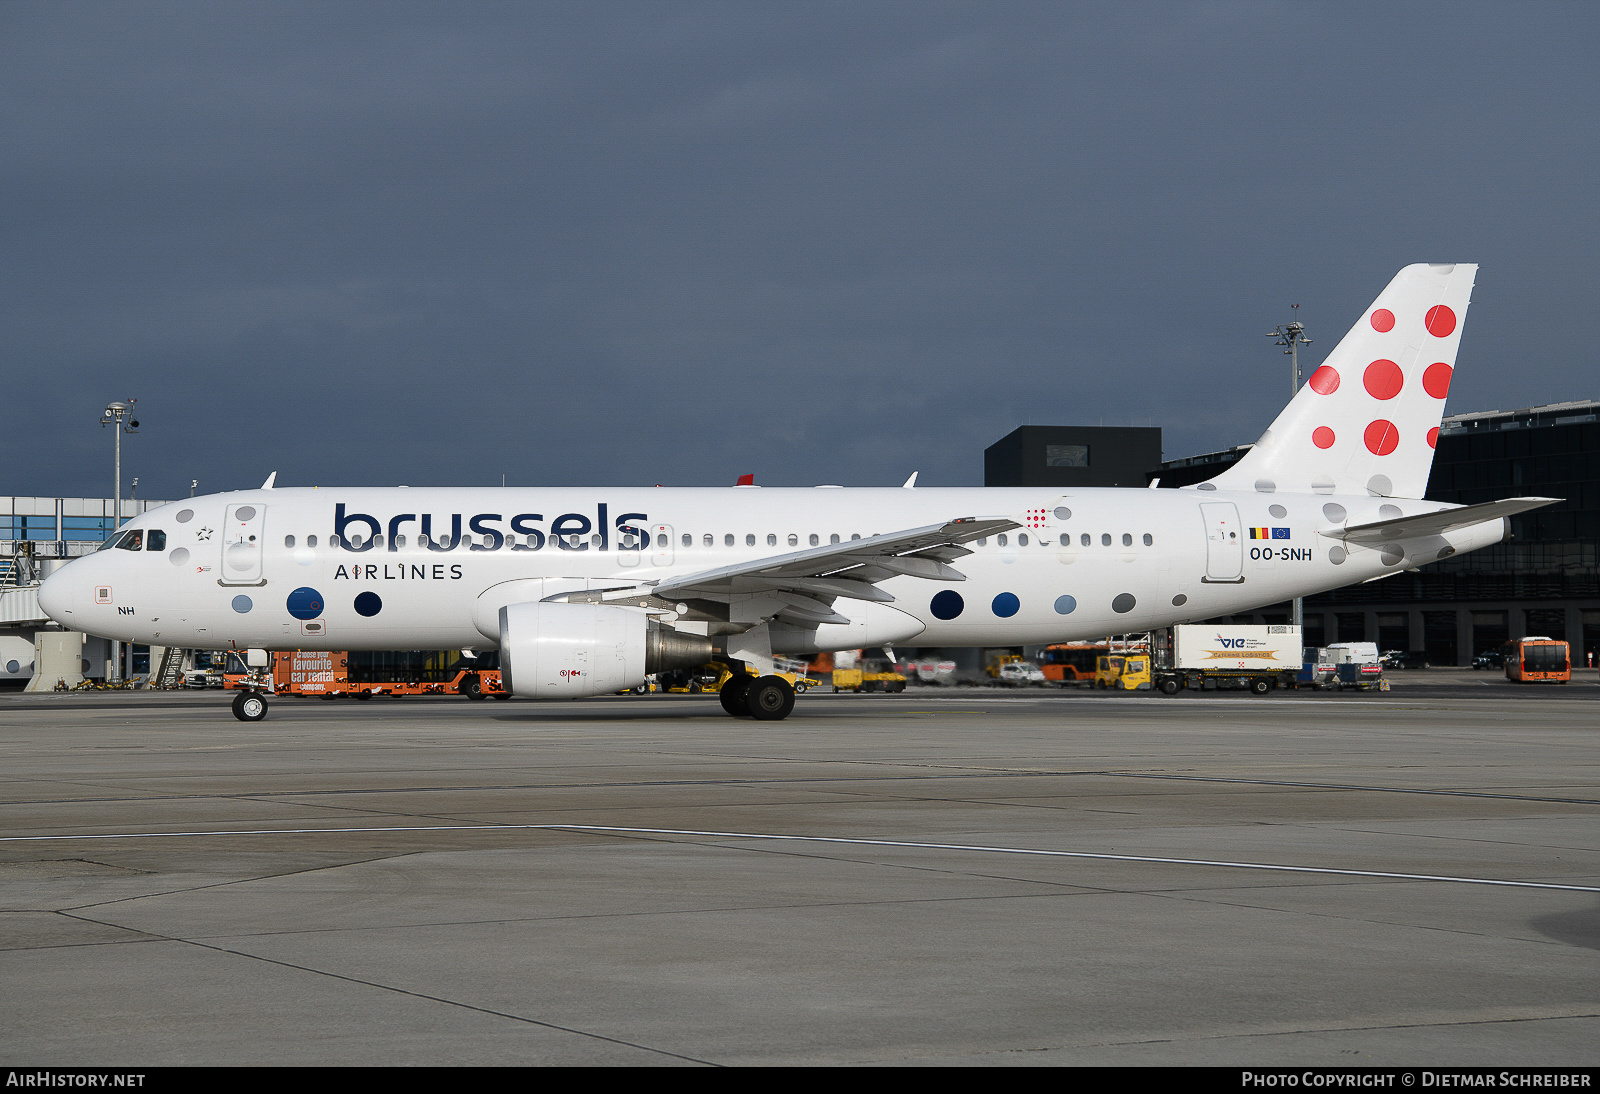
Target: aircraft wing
[802,585]
[1434,524]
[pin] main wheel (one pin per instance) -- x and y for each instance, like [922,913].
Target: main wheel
[735,696]
[249,706]
[770,699]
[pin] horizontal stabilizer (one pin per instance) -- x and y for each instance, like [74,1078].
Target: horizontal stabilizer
[1436,524]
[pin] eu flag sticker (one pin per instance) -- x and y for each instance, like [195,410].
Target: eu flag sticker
[1280,533]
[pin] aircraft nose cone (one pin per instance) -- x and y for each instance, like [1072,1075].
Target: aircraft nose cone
[55,597]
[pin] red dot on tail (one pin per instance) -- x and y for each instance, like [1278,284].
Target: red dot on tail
[1324,381]
[1433,437]
[1436,380]
[1382,437]
[1441,321]
[1322,437]
[1383,379]
[1383,320]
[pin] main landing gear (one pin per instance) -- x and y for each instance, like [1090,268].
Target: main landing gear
[249,706]
[764,698]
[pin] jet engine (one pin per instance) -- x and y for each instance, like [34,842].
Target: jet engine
[565,651]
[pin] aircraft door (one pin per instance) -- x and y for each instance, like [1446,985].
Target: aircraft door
[1224,542]
[243,540]
[661,544]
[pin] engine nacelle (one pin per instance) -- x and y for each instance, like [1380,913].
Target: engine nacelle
[566,651]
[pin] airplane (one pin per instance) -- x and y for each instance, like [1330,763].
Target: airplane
[587,591]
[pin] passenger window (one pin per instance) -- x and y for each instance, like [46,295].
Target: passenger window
[794,540]
[155,540]
[855,535]
[1066,540]
[984,542]
[1105,539]
[1127,540]
[288,541]
[1022,539]
[1001,539]
[709,541]
[399,540]
[688,540]
[661,540]
[377,541]
[772,540]
[1149,540]
[727,540]
[1084,539]
[834,538]
[311,541]
[750,539]
[815,539]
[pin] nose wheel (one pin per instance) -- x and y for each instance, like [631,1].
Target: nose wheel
[249,706]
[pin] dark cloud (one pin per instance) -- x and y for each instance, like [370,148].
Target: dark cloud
[580,243]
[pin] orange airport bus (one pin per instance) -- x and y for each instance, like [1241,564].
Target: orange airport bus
[1072,662]
[1538,660]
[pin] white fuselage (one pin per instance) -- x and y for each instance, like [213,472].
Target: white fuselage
[1123,561]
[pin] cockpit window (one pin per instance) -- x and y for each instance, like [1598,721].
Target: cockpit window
[121,539]
[155,540]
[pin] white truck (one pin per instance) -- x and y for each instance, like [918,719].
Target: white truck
[1258,657]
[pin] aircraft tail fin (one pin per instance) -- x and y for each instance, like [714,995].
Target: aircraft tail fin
[1367,420]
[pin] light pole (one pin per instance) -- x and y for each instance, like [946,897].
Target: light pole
[1292,335]
[119,416]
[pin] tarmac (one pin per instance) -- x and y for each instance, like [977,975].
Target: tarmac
[938,877]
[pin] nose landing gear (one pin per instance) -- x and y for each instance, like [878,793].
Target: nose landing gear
[249,706]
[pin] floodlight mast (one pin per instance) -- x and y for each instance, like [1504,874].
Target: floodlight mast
[119,416]
[1292,335]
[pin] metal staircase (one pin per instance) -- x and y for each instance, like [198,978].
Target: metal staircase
[170,676]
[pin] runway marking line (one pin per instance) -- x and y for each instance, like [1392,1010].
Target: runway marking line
[1029,851]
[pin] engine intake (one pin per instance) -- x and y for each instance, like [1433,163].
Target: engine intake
[566,651]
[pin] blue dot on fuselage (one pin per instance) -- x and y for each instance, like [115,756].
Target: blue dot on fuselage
[369,604]
[947,605]
[1006,605]
[242,604]
[305,603]
[1065,605]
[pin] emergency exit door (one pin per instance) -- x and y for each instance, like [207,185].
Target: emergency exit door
[1224,542]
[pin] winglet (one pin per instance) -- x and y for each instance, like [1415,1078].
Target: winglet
[272,478]
[746,480]
[910,483]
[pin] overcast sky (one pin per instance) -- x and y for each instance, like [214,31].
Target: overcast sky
[631,243]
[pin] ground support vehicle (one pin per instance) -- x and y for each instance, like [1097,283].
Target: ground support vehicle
[335,674]
[1359,666]
[1123,671]
[714,676]
[1538,660]
[1022,674]
[867,680]
[1317,670]
[1255,657]
[1072,664]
